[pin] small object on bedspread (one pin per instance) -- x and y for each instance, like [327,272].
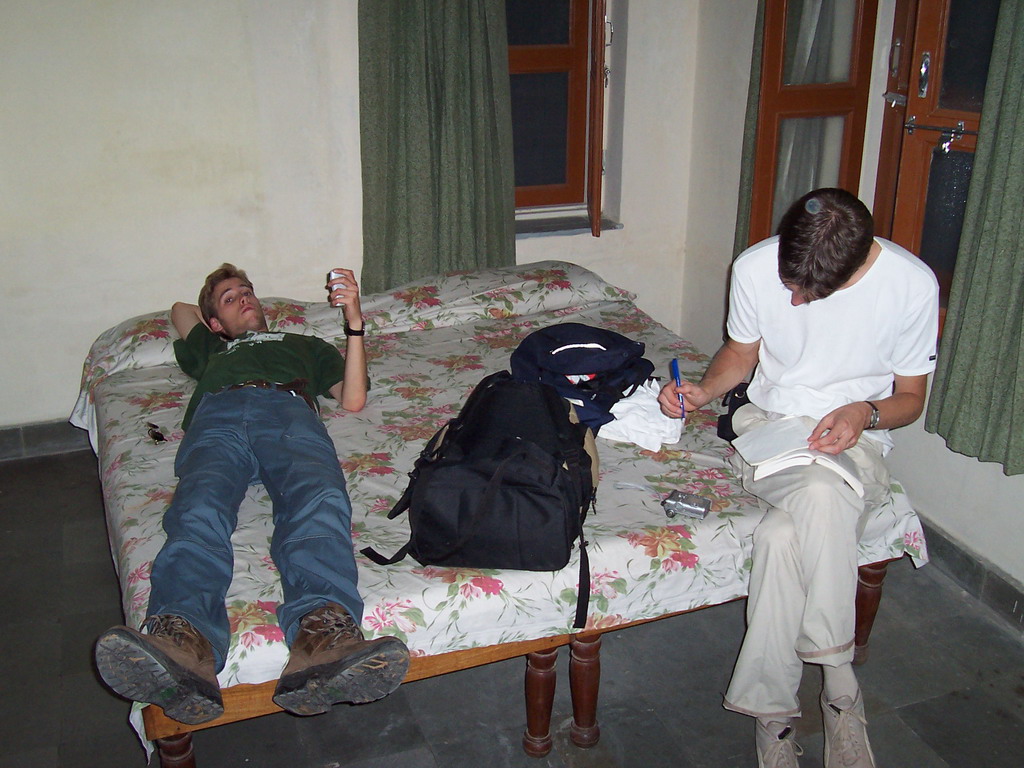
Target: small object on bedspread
[686,504]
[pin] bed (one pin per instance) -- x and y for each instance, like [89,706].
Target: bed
[428,343]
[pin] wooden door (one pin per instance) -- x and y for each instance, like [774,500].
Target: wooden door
[815,73]
[934,99]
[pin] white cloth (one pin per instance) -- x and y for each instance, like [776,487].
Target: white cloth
[842,349]
[639,420]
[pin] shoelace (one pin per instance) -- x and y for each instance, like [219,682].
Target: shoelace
[332,624]
[174,628]
[783,754]
[847,741]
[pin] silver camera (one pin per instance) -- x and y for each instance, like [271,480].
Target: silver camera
[686,504]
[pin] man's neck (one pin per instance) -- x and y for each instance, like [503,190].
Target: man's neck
[873,252]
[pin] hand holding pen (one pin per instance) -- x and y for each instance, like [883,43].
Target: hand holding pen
[674,368]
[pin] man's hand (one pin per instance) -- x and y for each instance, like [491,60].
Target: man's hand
[731,365]
[693,395]
[185,317]
[840,429]
[344,292]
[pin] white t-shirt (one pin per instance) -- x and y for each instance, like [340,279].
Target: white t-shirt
[842,349]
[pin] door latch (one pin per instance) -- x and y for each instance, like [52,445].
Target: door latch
[895,99]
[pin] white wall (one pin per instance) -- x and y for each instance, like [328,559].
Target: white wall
[726,35]
[656,86]
[146,142]
[685,92]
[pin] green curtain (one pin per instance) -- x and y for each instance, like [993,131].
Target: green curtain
[742,234]
[436,138]
[977,397]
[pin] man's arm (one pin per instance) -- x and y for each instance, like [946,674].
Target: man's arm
[842,428]
[732,364]
[350,391]
[185,317]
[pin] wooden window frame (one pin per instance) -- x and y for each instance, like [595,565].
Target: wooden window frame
[583,59]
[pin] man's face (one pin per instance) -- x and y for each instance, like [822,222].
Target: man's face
[796,295]
[238,309]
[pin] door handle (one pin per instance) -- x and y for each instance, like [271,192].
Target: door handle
[922,83]
[895,50]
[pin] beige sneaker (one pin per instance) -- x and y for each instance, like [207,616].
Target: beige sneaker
[172,666]
[776,748]
[846,734]
[331,662]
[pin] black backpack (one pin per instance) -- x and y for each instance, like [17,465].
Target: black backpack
[604,367]
[505,484]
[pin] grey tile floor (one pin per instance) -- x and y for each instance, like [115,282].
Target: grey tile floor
[944,686]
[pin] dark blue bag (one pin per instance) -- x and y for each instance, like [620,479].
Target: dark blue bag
[593,368]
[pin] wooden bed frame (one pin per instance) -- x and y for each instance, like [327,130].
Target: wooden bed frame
[242,702]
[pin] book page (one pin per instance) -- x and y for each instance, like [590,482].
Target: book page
[783,444]
[778,437]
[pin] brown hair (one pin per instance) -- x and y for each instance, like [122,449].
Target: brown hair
[224,272]
[824,238]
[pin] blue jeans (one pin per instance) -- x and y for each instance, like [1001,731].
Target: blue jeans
[236,438]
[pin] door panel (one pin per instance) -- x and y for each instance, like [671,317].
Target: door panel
[952,41]
[815,73]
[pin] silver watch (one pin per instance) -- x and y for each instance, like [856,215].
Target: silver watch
[875,415]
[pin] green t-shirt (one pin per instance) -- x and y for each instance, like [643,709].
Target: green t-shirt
[268,355]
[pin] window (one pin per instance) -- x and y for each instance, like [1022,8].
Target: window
[556,64]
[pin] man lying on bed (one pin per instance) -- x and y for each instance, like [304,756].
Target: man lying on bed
[253,418]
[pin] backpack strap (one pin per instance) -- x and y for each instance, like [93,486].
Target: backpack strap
[400,506]
[427,454]
[572,459]
[583,599]
[375,556]
[567,446]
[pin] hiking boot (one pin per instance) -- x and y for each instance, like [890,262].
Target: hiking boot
[776,747]
[172,666]
[846,734]
[331,662]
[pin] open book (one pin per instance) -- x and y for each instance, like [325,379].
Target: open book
[783,444]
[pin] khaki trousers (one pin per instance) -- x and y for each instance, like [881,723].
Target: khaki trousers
[803,579]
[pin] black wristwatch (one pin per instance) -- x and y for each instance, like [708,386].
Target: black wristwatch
[875,415]
[352,332]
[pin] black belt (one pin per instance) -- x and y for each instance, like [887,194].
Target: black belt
[295,388]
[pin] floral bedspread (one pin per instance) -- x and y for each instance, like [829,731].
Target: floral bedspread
[428,344]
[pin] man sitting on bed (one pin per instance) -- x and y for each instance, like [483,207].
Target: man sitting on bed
[253,418]
[842,328]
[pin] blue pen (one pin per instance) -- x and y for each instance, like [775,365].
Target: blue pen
[674,367]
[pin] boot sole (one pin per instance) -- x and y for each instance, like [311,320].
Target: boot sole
[355,680]
[140,672]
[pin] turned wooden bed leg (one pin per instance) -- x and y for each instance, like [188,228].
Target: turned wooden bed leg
[869,595]
[540,697]
[584,682]
[176,751]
